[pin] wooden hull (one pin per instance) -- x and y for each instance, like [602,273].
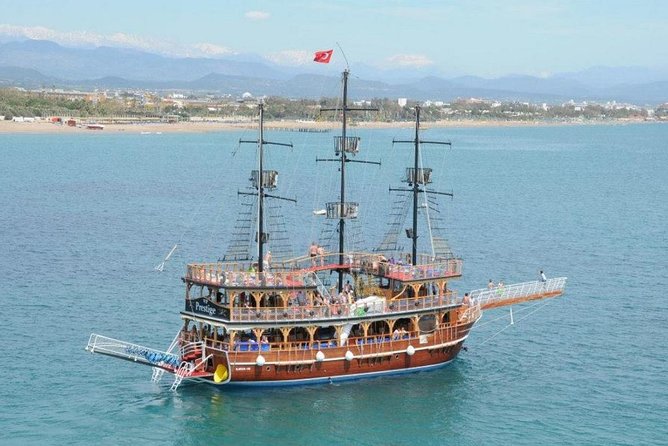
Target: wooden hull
[386,357]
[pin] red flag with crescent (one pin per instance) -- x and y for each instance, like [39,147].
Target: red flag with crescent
[323,56]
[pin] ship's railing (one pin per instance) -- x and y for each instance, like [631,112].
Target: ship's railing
[293,273]
[448,331]
[378,264]
[445,268]
[471,313]
[509,294]
[339,310]
[219,274]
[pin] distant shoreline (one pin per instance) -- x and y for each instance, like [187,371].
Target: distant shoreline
[45,127]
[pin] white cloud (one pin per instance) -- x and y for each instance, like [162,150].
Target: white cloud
[257,15]
[211,49]
[291,57]
[409,60]
[89,39]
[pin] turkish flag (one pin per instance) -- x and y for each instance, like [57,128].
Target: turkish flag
[323,56]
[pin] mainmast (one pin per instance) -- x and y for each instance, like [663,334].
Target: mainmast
[262,180]
[417,177]
[344,144]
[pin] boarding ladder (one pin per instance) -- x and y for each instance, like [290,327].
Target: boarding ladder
[185,370]
[322,289]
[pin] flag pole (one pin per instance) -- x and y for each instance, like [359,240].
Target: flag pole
[344,56]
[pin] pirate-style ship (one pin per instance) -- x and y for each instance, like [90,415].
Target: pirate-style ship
[274,322]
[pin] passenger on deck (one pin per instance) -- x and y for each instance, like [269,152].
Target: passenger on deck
[267,261]
[335,304]
[467,300]
[321,253]
[542,276]
[490,285]
[301,299]
[313,252]
[396,334]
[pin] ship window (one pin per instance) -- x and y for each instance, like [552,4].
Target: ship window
[222,297]
[446,318]
[427,323]
[324,333]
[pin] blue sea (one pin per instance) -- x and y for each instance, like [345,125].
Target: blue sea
[85,218]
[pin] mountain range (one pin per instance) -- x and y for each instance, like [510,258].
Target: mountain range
[39,64]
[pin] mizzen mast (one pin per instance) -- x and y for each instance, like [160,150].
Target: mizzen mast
[262,180]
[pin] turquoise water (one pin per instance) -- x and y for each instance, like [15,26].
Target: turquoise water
[85,218]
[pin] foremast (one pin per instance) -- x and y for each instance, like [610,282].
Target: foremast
[418,178]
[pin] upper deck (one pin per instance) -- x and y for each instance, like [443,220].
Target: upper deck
[298,273]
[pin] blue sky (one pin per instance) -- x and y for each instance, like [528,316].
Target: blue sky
[486,38]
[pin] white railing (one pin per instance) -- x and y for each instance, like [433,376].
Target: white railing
[134,352]
[192,347]
[499,295]
[185,370]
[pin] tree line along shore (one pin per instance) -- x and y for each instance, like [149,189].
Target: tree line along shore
[146,107]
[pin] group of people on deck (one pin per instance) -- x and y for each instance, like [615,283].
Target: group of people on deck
[499,286]
[314,251]
[399,333]
[491,285]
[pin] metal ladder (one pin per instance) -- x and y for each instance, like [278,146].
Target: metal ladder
[322,289]
[185,370]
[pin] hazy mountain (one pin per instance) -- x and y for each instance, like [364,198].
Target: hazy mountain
[23,77]
[83,63]
[651,93]
[606,77]
[527,84]
[34,63]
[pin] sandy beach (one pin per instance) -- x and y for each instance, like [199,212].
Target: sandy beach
[7,127]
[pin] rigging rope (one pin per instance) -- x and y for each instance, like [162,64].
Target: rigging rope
[426,207]
[160,267]
[519,320]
